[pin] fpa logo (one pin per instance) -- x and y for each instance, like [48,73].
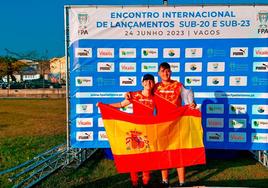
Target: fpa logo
[149,67]
[128,81]
[84,122]
[193,67]
[237,123]
[174,66]
[193,81]
[260,66]
[84,136]
[84,81]
[238,80]
[259,124]
[215,136]
[215,80]
[105,52]
[193,52]
[237,109]
[83,52]
[84,108]
[171,52]
[149,53]
[106,67]
[260,109]
[216,67]
[260,52]
[83,23]
[239,52]
[127,67]
[237,137]
[127,52]
[262,17]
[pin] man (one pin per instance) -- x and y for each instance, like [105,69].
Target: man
[143,105]
[168,96]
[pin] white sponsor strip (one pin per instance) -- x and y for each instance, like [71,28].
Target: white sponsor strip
[102,136]
[259,124]
[259,137]
[99,94]
[84,136]
[230,95]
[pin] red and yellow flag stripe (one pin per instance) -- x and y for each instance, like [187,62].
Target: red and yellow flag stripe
[141,143]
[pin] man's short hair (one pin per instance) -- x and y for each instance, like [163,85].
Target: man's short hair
[165,65]
[148,77]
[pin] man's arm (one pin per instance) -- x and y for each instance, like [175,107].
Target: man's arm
[187,96]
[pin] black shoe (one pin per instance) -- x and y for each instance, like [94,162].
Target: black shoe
[145,186]
[164,184]
[135,186]
[181,184]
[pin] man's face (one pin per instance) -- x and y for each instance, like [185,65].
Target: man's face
[164,74]
[148,84]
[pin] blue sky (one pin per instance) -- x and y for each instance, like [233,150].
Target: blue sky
[33,25]
[38,25]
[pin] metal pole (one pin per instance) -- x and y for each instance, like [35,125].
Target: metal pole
[66,26]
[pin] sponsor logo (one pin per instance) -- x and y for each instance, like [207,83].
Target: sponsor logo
[83,52]
[215,80]
[102,136]
[215,122]
[259,137]
[193,67]
[238,80]
[127,109]
[84,122]
[105,52]
[149,67]
[136,140]
[193,52]
[83,81]
[193,81]
[106,67]
[100,122]
[262,17]
[149,53]
[84,136]
[237,137]
[237,123]
[175,67]
[260,66]
[127,53]
[171,52]
[102,81]
[128,81]
[127,67]
[239,52]
[215,136]
[237,109]
[260,52]
[215,53]
[177,78]
[259,123]
[215,108]
[216,67]
[260,109]
[83,24]
[84,108]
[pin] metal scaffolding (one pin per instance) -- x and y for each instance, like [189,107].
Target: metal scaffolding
[33,171]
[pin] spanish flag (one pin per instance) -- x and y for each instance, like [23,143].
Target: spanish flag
[142,143]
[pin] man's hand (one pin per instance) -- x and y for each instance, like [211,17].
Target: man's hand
[127,96]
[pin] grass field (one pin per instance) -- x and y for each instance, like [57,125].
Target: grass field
[28,127]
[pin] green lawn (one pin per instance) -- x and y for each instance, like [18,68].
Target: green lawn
[28,127]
